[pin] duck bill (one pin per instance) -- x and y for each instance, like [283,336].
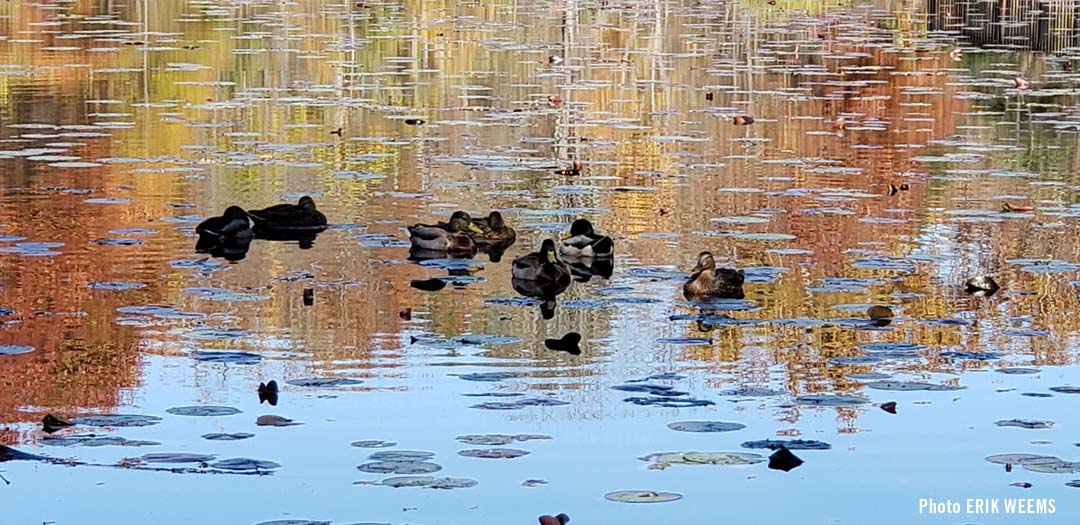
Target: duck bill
[474,228]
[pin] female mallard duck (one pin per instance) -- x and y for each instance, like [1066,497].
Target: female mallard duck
[231,225]
[445,237]
[584,242]
[494,229]
[543,266]
[299,216]
[710,282]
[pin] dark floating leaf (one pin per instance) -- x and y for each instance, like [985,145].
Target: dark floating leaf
[891,347]
[1058,466]
[1017,370]
[1020,459]
[828,400]
[1025,423]
[9,454]
[428,285]
[402,455]
[705,426]
[1066,389]
[788,444]
[210,334]
[203,411]
[294,522]
[1036,394]
[93,440]
[117,420]
[228,437]
[784,460]
[684,341]
[752,392]
[494,394]
[656,390]
[489,376]
[230,358]
[669,402]
[241,464]
[642,496]
[275,421]
[889,407]
[493,453]
[399,467]
[15,349]
[973,356]
[51,423]
[519,404]
[428,482]
[176,457]
[374,443]
[324,382]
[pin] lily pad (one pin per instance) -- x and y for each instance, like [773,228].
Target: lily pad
[399,467]
[93,440]
[495,440]
[1025,423]
[519,404]
[669,402]
[904,386]
[1017,370]
[705,458]
[228,437]
[234,358]
[656,390]
[493,453]
[790,444]
[203,411]
[1054,467]
[15,349]
[828,400]
[373,443]
[492,377]
[117,420]
[210,334]
[294,522]
[428,482]
[705,426]
[402,455]
[241,464]
[1065,389]
[642,496]
[1020,459]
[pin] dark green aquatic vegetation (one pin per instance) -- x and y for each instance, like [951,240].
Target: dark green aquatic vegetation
[828,400]
[239,436]
[669,402]
[705,426]
[203,411]
[790,444]
[116,420]
[428,482]
[520,404]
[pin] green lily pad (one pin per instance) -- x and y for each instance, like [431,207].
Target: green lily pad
[1025,423]
[402,455]
[705,458]
[705,426]
[428,482]
[117,420]
[642,496]
[373,443]
[242,464]
[1020,459]
[495,440]
[399,467]
[493,453]
[1054,467]
[203,411]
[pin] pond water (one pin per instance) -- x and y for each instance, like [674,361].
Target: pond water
[876,170]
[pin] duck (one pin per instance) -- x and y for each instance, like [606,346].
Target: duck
[710,282]
[583,241]
[231,225]
[543,266]
[300,216]
[493,229]
[449,236]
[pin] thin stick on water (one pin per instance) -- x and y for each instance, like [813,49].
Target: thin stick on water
[6,482]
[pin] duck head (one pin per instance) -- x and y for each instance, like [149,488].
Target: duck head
[547,250]
[235,213]
[461,221]
[581,227]
[705,261]
[307,203]
[495,220]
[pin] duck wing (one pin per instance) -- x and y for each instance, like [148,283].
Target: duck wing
[287,216]
[427,232]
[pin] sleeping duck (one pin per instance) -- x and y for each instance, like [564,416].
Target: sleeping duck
[493,229]
[300,216]
[543,266]
[584,242]
[710,282]
[449,236]
[231,225]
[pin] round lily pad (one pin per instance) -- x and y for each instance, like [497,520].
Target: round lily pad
[1020,459]
[705,426]
[1025,423]
[324,382]
[669,402]
[827,400]
[399,467]
[493,453]
[428,482]
[117,420]
[203,411]
[177,457]
[705,458]
[373,443]
[642,496]
[236,358]
[15,349]
[1017,370]
[227,437]
[519,404]
[402,455]
[241,464]
[495,440]
[790,444]
[1054,467]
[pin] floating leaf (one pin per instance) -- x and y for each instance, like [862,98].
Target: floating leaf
[324,382]
[117,420]
[399,467]
[1065,389]
[827,400]
[791,444]
[911,385]
[642,496]
[519,404]
[705,458]
[92,440]
[203,411]
[705,426]
[402,455]
[373,443]
[228,437]
[235,358]
[176,457]
[669,402]
[429,482]
[240,464]
[1025,423]
[493,453]
[1020,459]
